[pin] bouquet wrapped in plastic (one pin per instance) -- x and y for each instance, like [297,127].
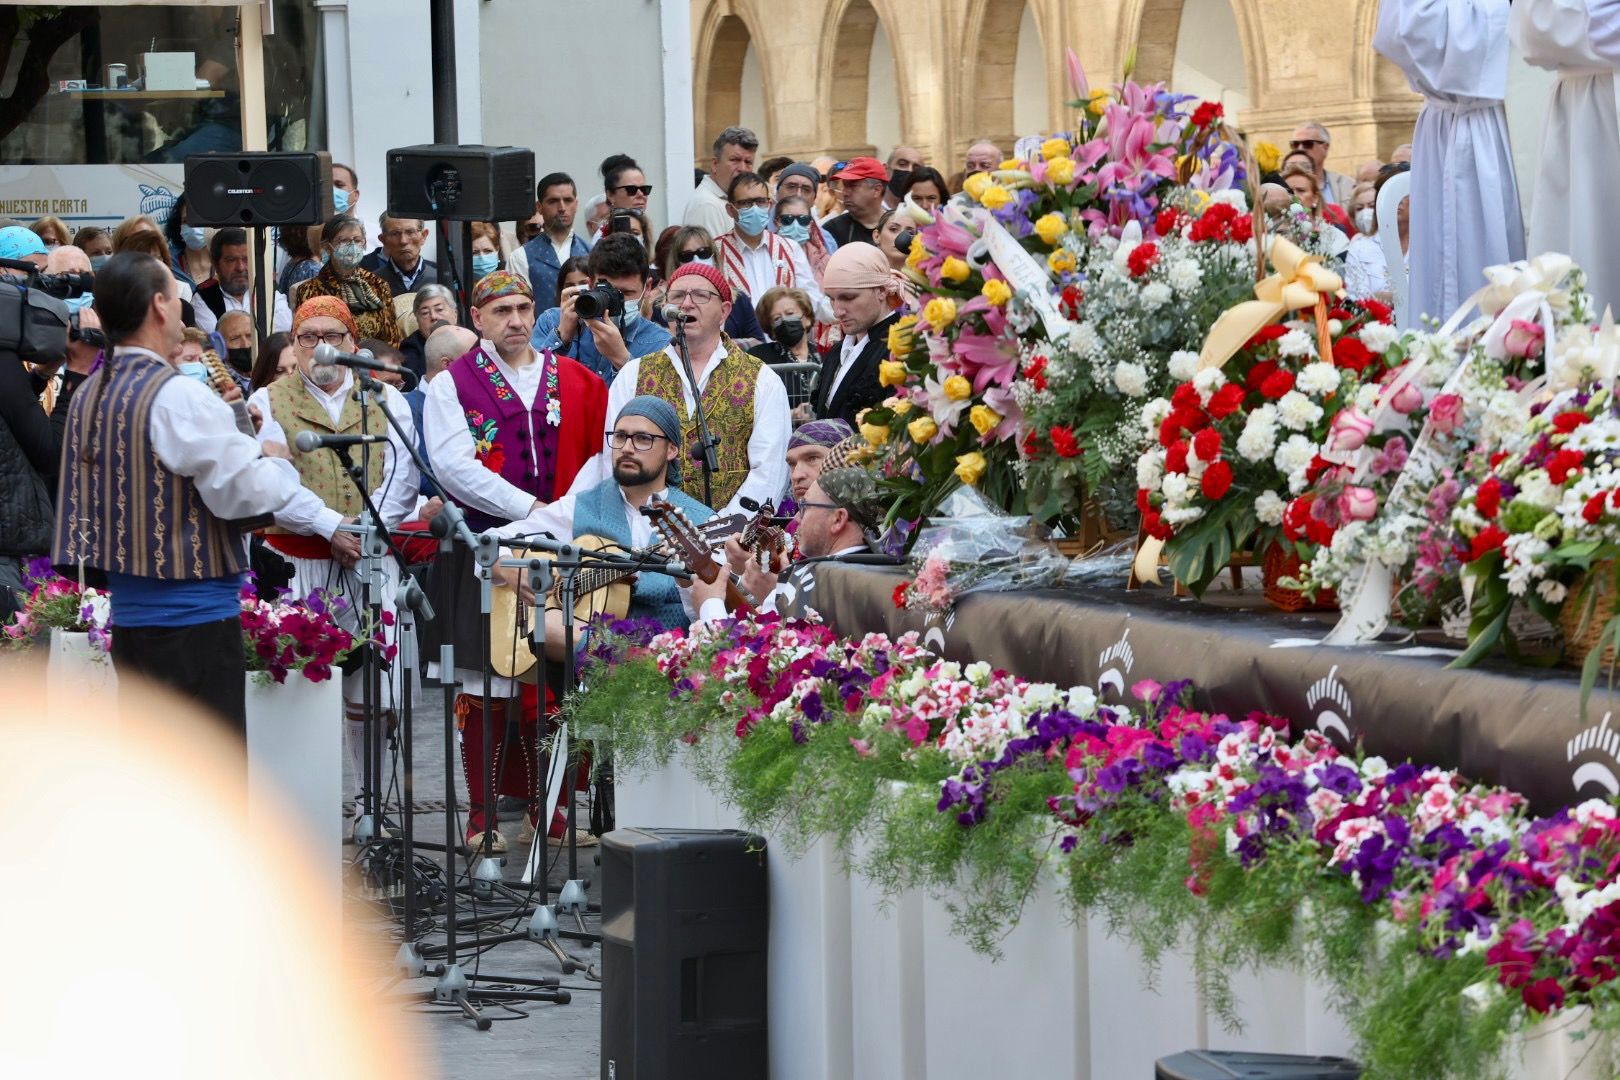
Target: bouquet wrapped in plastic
[972,547]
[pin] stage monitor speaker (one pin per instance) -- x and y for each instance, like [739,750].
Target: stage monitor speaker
[259,189]
[685,921]
[461,183]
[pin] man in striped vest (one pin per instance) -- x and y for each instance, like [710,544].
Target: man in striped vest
[755,259]
[156,486]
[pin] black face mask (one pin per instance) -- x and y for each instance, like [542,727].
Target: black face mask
[898,181]
[241,359]
[788,332]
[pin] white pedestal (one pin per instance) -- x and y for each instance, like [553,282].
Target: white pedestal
[75,668]
[295,768]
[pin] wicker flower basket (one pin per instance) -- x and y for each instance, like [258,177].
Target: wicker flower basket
[1587,611]
[1281,562]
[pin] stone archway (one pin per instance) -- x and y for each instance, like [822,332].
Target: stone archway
[1008,94]
[731,81]
[865,111]
[1195,47]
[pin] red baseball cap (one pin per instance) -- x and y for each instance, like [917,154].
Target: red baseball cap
[863,168]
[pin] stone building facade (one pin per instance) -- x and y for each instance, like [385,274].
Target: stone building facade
[860,76]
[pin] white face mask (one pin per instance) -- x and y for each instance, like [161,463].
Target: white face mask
[1364,219]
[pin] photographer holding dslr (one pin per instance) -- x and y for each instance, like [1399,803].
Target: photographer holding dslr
[37,332]
[601,324]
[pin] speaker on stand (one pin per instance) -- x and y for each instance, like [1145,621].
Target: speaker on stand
[258,190]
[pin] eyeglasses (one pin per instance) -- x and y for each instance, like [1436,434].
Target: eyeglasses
[641,440]
[815,506]
[700,297]
[744,204]
[1305,144]
[309,338]
[635,189]
[696,253]
[793,219]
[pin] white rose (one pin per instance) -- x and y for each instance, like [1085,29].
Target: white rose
[1296,343]
[1318,379]
[1130,378]
[1183,365]
[1269,507]
[1297,411]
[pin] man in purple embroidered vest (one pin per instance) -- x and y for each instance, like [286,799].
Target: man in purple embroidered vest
[507,431]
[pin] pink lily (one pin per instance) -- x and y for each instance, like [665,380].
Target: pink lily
[1077,75]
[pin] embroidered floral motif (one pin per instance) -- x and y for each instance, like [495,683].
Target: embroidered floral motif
[503,391]
[482,428]
[553,395]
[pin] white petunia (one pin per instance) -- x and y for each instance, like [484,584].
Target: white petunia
[1269,507]
[1318,379]
[1297,411]
[1183,365]
[1130,378]
[1296,343]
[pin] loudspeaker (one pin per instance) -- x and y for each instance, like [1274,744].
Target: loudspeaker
[685,921]
[461,183]
[259,189]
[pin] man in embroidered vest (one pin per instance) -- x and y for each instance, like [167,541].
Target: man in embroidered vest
[155,479]
[507,429]
[743,399]
[322,398]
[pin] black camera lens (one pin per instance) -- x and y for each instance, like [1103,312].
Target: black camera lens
[599,300]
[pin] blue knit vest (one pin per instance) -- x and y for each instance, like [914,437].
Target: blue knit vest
[600,511]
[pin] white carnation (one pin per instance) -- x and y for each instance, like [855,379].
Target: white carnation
[1183,365]
[1155,296]
[1083,339]
[1379,336]
[1367,397]
[1259,436]
[1153,414]
[1551,591]
[1537,489]
[1176,488]
[1297,411]
[1292,458]
[1268,508]
[1232,197]
[1185,276]
[1182,515]
[1318,379]
[1130,378]
[1296,343]
[1208,381]
[1150,470]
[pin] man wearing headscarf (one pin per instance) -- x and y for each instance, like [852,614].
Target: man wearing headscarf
[744,401]
[508,430]
[322,399]
[863,290]
[808,448]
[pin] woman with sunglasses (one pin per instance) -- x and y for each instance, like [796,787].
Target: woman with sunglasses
[626,188]
[692,243]
[795,219]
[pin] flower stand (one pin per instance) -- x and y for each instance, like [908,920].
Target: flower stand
[1565,1047]
[76,667]
[295,767]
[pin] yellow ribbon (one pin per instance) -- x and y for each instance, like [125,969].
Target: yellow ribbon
[1300,281]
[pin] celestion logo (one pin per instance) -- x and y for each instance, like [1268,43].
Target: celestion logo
[1329,700]
[1598,739]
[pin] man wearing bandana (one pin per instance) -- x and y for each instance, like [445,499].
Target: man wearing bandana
[507,429]
[323,399]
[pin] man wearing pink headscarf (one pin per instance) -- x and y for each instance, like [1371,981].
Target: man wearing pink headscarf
[864,292]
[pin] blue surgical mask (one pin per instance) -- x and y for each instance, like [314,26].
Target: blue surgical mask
[705,262]
[78,303]
[193,237]
[794,231]
[486,263]
[98,261]
[340,200]
[631,316]
[752,220]
[194,369]
[348,256]
[326,256]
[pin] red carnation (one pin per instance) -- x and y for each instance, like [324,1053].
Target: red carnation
[1142,258]
[1381,312]
[1063,443]
[1566,422]
[1153,524]
[1035,372]
[1166,222]
[1490,539]
[899,594]
[1191,419]
[1070,300]
[1318,531]
[1277,384]
[1258,374]
[1562,464]
[1032,445]
[1295,515]
[1349,352]
[1593,510]
[1207,113]
[1207,444]
[1226,401]
[1267,333]
[1243,228]
[1217,480]
[1175,458]
[1169,431]
[1488,500]
[1341,314]
[1144,505]
[1497,458]
[1185,397]
[1318,466]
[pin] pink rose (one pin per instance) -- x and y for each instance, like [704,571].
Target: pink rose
[1446,413]
[1350,429]
[1406,399]
[1524,339]
[1358,504]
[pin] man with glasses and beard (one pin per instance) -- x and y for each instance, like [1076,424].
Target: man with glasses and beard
[231,287]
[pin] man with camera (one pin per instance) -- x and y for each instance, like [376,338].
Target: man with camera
[230,289]
[601,324]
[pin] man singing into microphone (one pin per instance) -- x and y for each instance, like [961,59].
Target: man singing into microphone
[507,429]
[322,400]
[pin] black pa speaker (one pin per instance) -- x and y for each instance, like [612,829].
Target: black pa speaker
[259,189]
[685,919]
[461,183]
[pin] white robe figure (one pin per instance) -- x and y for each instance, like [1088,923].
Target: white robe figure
[1580,143]
[1465,201]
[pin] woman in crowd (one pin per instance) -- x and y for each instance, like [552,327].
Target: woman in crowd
[795,219]
[302,262]
[788,318]
[51,231]
[889,226]
[633,222]
[188,246]
[140,233]
[693,243]
[626,188]
[571,273]
[367,295]
[1366,274]
[276,358]
[1298,171]
[486,249]
[926,189]
[95,242]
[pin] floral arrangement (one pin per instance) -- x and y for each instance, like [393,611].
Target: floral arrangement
[55,602]
[1173,823]
[282,637]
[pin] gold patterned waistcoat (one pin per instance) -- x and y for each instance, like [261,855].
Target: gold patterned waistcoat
[295,407]
[728,402]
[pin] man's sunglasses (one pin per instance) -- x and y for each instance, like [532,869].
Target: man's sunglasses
[793,219]
[699,253]
[1305,144]
[635,189]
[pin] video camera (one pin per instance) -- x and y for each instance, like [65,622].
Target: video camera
[598,300]
[34,321]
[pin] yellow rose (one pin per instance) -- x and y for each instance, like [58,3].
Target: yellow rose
[939,312]
[875,434]
[996,291]
[1267,155]
[1050,228]
[899,406]
[1054,148]
[957,388]
[975,184]
[995,197]
[902,337]
[954,270]
[1010,164]
[1060,172]
[984,419]
[970,467]
[891,373]
[1098,103]
[922,429]
[1061,262]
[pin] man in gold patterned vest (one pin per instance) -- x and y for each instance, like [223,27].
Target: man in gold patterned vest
[155,484]
[744,401]
[323,399]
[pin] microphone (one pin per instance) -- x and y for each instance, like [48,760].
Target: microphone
[330,356]
[307,442]
[674,315]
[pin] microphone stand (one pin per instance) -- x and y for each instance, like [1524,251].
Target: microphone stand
[706,440]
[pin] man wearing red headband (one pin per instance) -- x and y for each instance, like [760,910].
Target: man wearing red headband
[507,429]
[322,399]
[744,401]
